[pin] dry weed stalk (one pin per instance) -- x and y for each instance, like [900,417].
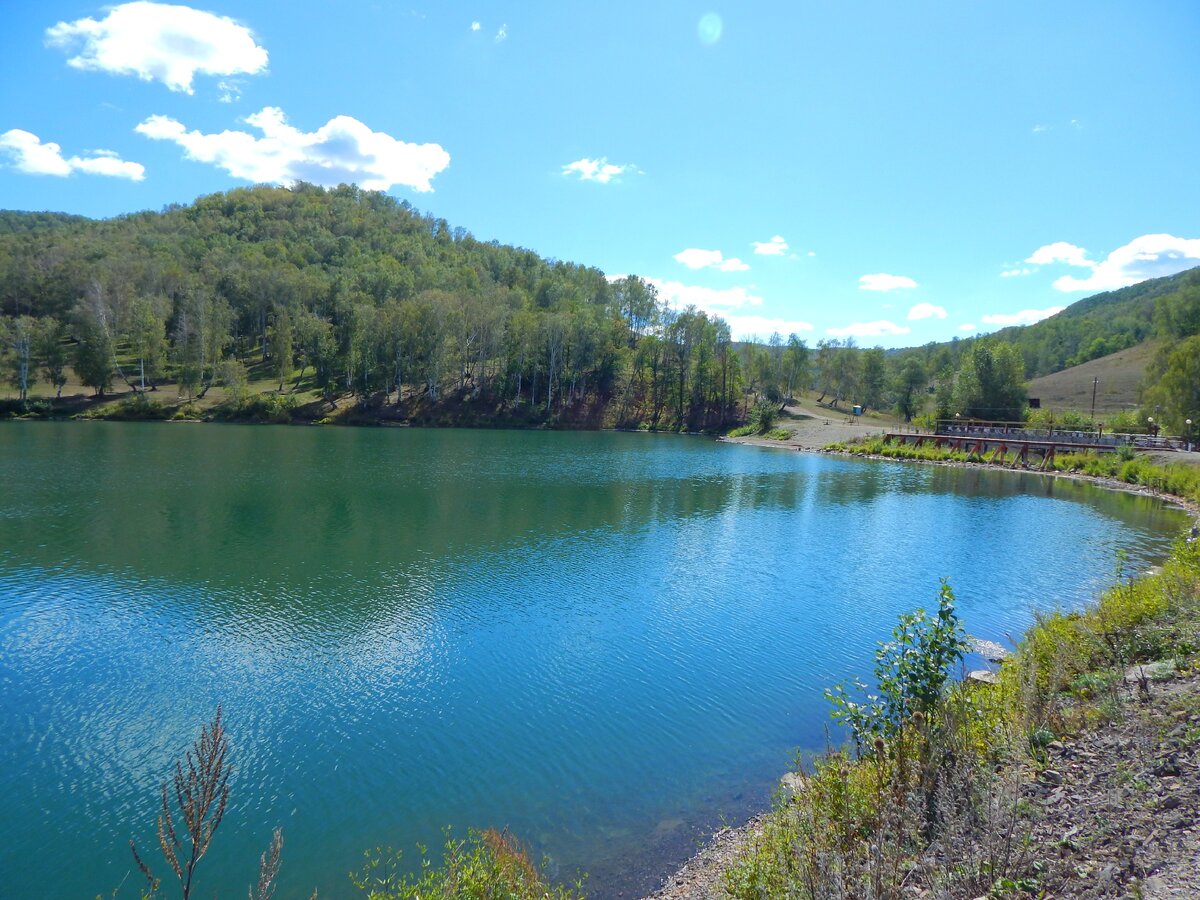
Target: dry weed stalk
[201,793]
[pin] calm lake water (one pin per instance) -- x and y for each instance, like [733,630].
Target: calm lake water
[603,641]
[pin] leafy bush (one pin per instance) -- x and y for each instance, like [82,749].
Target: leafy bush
[911,671]
[488,865]
[763,415]
[137,407]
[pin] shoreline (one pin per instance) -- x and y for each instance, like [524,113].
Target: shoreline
[700,876]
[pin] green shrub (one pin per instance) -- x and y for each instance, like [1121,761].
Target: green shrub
[138,407]
[911,671]
[487,865]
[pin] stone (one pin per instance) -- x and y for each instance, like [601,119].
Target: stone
[982,676]
[989,650]
[1152,671]
[1051,777]
[793,784]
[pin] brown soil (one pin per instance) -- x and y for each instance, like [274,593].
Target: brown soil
[1114,812]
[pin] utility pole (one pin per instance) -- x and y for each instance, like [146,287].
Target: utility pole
[1095,381]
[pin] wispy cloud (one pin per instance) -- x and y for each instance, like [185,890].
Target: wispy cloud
[475,26]
[881,281]
[598,170]
[30,155]
[1148,256]
[160,42]
[1016,272]
[502,33]
[342,151]
[1024,317]
[968,327]
[878,328]
[776,246]
[694,258]
[926,311]
[231,91]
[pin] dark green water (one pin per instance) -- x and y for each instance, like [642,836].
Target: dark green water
[603,641]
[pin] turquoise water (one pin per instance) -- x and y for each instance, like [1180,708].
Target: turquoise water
[606,642]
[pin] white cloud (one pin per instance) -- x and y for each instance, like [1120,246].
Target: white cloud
[31,156]
[776,246]
[231,91]
[695,258]
[968,326]
[1038,129]
[502,34]
[884,282]
[599,170]
[1016,273]
[711,300]
[1024,317]
[160,42]
[745,327]
[926,311]
[342,151]
[879,328]
[475,26]
[1148,256]
[1060,252]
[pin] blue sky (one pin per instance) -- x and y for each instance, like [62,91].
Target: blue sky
[896,173]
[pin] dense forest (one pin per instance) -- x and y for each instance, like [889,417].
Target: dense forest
[344,299]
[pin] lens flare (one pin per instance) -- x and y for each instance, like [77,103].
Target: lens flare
[709,29]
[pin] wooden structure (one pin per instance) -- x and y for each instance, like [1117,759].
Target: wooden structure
[995,447]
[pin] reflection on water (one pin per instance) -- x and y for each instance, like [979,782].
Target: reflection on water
[602,641]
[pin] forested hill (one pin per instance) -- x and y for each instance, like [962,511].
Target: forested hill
[1166,308]
[346,291]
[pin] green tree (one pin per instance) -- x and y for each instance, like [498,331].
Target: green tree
[874,377]
[148,338]
[909,384]
[1175,394]
[93,360]
[52,350]
[989,383]
[282,352]
[19,340]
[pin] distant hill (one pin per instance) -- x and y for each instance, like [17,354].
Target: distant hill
[1100,325]
[1118,378]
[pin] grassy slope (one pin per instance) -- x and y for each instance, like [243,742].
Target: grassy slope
[1120,376]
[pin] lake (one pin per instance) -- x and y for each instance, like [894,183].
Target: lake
[606,642]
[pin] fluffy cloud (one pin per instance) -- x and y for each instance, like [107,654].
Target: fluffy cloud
[711,300]
[878,328]
[884,282]
[1024,317]
[776,246]
[745,327]
[926,311]
[342,151]
[1060,252]
[30,155]
[160,42]
[695,258]
[1148,256]
[475,26]
[599,170]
